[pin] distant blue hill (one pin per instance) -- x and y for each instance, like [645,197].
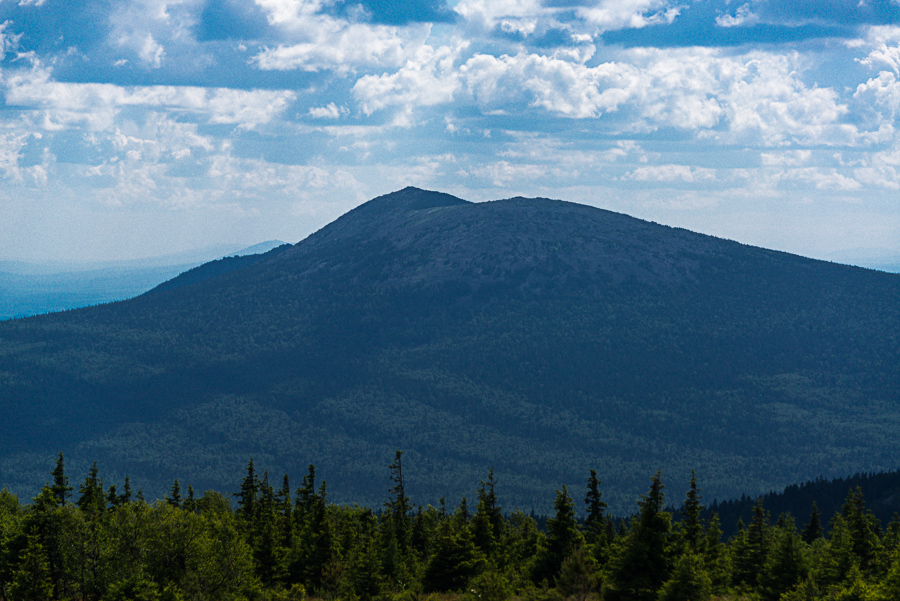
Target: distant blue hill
[36,288]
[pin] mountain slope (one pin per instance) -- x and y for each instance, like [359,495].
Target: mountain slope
[540,337]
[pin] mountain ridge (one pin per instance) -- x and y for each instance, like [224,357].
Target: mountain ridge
[541,337]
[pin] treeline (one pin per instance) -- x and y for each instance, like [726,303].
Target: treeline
[279,543]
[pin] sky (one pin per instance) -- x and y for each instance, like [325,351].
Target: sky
[134,128]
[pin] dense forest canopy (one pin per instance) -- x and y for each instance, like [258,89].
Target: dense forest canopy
[273,540]
[540,337]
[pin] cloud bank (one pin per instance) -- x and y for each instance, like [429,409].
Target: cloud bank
[197,121]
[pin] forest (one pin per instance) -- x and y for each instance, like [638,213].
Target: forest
[269,541]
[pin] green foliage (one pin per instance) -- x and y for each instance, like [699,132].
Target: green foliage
[576,577]
[286,549]
[689,581]
[643,562]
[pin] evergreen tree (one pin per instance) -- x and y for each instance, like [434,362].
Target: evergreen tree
[31,581]
[864,529]
[643,562]
[689,581]
[112,498]
[61,488]
[576,575]
[487,523]
[125,497]
[246,510]
[562,538]
[453,560]
[174,498]
[693,524]
[91,499]
[786,566]
[398,506]
[813,529]
[715,555]
[595,509]
[751,548]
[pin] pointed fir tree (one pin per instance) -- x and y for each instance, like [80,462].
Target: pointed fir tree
[174,498]
[398,506]
[91,499]
[247,496]
[595,509]
[692,524]
[642,564]
[61,488]
[576,578]
[786,565]
[125,497]
[562,538]
[813,529]
[689,582]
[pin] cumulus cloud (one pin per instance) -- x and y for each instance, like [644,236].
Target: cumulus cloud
[426,80]
[672,173]
[330,111]
[96,105]
[744,15]
[633,14]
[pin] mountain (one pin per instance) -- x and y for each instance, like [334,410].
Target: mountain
[540,337]
[35,288]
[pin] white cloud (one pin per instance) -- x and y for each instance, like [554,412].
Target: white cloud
[882,91]
[502,173]
[341,50]
[151,52]
[518,15]
[329,111]
[96,105]
[620,14]
[8,41]
[882,177]
[321,42]
[672,173]
[788,158]
[822,179]
[744,15]
[886,51]
[428,79]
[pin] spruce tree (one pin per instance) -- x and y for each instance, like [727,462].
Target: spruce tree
[31,581]
[689,581]
[246,510]
[562,538]
[174,498]
[576,578]
[693,524]
[786,566]
[595,508]
[398,506]
[642,564]
[61,488]
[813,529]
[125,497]
[91,499]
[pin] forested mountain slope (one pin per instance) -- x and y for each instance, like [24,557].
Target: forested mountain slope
[539,337]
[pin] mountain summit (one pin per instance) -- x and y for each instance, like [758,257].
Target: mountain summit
[540,337]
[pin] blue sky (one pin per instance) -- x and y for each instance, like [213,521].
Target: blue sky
[137,128]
